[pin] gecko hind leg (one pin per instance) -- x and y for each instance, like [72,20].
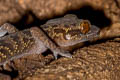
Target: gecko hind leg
[7,28]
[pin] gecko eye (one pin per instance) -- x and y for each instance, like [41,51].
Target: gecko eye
[85,26]
[68,36]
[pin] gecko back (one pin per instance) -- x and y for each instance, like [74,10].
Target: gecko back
[15,45]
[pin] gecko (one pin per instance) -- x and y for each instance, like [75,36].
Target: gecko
[55,34]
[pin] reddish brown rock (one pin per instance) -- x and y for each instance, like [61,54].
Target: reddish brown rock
[48,8]
[95,62]
[5,77]
[10,11]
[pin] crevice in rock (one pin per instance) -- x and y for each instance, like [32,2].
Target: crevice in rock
[13,74]
[95,16]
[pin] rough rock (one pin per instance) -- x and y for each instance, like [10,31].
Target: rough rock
[99,61]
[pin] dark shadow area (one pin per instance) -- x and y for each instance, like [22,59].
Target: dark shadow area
[117,3]
[50,52]
[46,52]
[28,20]
[13,74]
[95,16]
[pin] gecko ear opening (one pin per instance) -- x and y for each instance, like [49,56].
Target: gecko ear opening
[67,36]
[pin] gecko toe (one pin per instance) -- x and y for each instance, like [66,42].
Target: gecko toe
[2,32]
[68,55]
[65,54]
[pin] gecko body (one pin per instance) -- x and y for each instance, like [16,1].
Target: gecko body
[55,34]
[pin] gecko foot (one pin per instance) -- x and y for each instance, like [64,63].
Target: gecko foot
[7,28]
[2,32]
[61,53]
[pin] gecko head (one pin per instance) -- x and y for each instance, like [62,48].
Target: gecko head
[81,32]
[71,32]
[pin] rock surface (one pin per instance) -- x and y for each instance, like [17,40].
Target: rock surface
[95,62]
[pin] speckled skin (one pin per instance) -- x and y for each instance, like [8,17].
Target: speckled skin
[65,31]
[13,45]
[29,41]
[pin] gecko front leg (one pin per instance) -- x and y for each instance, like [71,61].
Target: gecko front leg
[38,34]
[7,28]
